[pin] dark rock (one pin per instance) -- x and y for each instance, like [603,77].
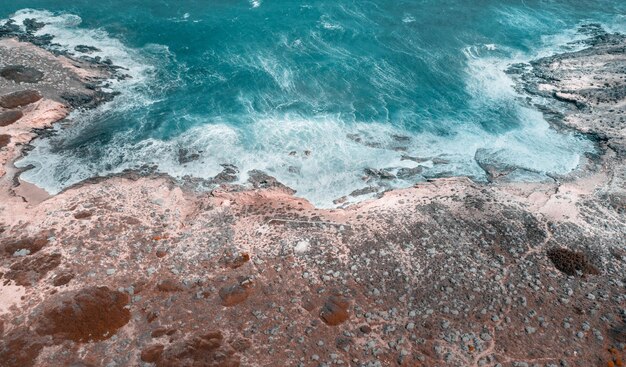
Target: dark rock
[261,180]
[152,353]
[86,49]
[364,191]
[91,314]
[9,117]
[9,28]
[88,101]
[618,333]
[335,310]
[493,167]
[234,259]
[32,25]
[169,285]
[19,349]
[83,215]
[228,174]
[379,174]
[62,278]
[4,140]
[77,99]
[20,98]
[185,156]
[33,268]
[33,245]
[235,294]
[571,262]
[21,74]
[158,332]
[406,173]
[208,350]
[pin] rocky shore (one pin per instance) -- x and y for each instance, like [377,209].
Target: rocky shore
[140,270]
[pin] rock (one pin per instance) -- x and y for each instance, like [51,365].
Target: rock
[33,245]
[261,180]
[228,174]
[4,140]
[571,262]
[335,310]
[86,49]
[20,98]
[77,100]
[491,163]
[19,349]
[235,294]
[208,350]
[185,156]
[158,332]
[83,215]
[364,191]
[406,173]
[32,25]
[379,174]
[32,269]
[62,278]
[169,285]
[233,258]
[152,353]
[9,117]
[91,314]
[21,74]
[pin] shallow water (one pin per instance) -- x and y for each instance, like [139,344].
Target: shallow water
[311,92]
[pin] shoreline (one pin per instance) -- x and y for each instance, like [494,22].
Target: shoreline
[447,271]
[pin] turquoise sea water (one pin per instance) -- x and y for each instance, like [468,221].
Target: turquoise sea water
[312,92]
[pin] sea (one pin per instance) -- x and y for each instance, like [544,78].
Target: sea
[326,96]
